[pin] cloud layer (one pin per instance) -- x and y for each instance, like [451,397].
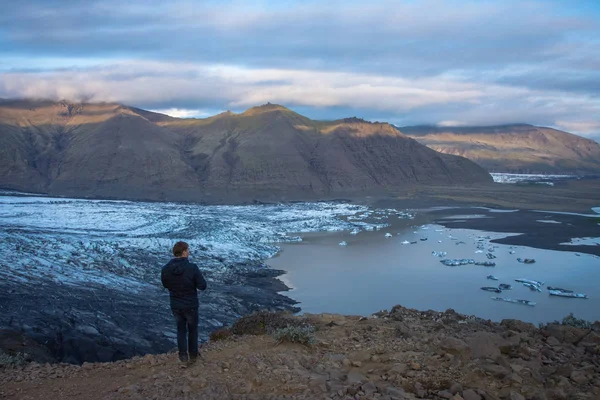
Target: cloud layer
[455,62]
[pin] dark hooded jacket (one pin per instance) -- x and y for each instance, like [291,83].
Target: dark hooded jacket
[183,279]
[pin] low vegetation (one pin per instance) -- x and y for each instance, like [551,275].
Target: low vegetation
[264,322]
[220,334]
[570,320]
[295,334]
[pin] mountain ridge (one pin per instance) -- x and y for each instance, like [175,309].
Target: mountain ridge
[516,148]
[266,152]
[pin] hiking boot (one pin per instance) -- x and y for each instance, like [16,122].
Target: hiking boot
[183,358]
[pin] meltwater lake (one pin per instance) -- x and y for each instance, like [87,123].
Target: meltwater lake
[374,272]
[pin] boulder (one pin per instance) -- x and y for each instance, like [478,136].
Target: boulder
[565,333]
[519,326]
[456,347]
[486,344]
[470,394]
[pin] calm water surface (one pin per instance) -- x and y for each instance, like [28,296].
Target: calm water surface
[374,272]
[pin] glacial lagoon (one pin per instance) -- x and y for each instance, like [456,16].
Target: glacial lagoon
[374,272]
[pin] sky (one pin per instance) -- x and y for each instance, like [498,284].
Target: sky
[453,62]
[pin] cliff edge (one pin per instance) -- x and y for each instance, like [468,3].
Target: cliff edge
[401,354]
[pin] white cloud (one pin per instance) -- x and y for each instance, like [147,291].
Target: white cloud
[584,128]
[192,89]
[184,113]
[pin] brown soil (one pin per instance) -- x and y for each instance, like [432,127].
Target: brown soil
[402,354]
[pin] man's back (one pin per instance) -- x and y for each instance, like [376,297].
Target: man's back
[183,279]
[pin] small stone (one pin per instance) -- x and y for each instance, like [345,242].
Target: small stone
[445,394]
[579,377]
[394,391]
[457,397]
[369,388]
[552,341]
[415,366]
[515,396]
[456,388]
[470,394]
[357,364]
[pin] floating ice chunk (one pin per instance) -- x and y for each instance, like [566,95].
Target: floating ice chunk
[492,277]
[439,253]
[355,231]
[478,251]
[343,243]
[388,235]
[509,300]
[405,242]
[458,262]
[526,260]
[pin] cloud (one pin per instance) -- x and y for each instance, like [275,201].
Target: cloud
[467,62]
[188,88]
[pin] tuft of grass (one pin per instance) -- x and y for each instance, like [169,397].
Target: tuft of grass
[7,360]
[295,334]
[220,334]
[569,320]
[264,322]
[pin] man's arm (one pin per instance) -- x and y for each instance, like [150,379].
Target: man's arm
[163,279]
[199,280]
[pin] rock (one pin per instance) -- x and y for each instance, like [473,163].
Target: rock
[515,396]
[579,377]
[495,370]
[128,390]
[555,394]
[552,341]
[354,377]
[444,394]
[396,392]
[369,388]
[470,394]
[456,388]
[514,378]
[485,344]
[457,397]
[398,369]
[456,346]
[565,333]
[519,326]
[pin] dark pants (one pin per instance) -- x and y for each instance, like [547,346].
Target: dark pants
[187,332]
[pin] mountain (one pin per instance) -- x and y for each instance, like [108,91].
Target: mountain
[267,152]
[517,148]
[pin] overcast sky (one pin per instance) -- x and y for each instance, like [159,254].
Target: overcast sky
[405,62]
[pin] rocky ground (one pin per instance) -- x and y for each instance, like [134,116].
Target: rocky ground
[402,354]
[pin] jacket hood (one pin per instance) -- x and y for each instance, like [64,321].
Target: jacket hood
[175,266]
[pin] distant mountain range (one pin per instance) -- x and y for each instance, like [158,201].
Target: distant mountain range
[266,153]
[517,148]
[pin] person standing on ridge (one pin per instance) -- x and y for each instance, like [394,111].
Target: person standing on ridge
[183,279]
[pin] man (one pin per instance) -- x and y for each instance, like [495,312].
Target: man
[183,278]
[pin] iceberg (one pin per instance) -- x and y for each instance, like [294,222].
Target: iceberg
[516,301]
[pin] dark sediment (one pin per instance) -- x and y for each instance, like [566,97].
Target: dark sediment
[532,233]
[50,321]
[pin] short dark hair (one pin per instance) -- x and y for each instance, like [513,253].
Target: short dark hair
[179,248]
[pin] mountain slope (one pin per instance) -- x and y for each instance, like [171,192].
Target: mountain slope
[267,152]
[517,148]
